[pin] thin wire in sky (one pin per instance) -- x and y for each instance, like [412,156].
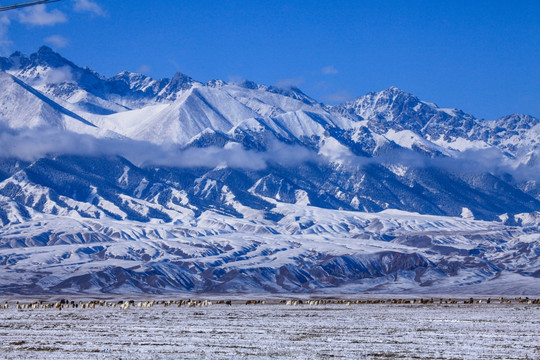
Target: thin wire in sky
[25,4]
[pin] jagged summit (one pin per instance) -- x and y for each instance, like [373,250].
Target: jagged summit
[385,101]
[392,92]
[44,49]
[518,121]
[45,57]
[395,109]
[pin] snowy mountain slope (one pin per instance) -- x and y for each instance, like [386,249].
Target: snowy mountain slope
[193,112]
[117,188]
[143,185]
[268,101]
[21,106]
[306,250]
[516,134]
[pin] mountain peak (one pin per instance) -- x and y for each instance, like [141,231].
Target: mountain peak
[46,56]
[518,121]
[519,116]
[44,49]
[216,83]
[180,81]
[248,84]
[16,54]
[389,97]
[399,110]
[395,91]
[129,76]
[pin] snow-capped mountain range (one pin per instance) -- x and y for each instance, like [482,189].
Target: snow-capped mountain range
[131,184]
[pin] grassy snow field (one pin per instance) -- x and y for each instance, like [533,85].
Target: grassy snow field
[359,331]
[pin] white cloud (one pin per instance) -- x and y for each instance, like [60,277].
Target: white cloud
[32,144]
[338,97]
[38,15]
[57,41]
[235,79]
[53,76]
[144,69]
[291,82]
[329,70]
[59,75]
[89,6]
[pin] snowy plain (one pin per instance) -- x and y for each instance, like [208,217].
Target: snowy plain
[272,331]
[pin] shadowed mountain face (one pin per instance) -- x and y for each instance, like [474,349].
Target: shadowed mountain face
[130,184]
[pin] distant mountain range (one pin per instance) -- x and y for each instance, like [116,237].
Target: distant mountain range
[131,184]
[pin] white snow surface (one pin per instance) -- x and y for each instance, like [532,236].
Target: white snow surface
[366,331]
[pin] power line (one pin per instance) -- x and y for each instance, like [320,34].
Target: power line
[25,4]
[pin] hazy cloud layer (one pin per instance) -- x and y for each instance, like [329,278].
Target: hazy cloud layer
[32,144]
[490,160]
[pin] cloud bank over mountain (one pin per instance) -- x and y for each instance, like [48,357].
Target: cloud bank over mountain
[33,144]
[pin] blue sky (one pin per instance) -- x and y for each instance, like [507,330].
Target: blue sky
[479,56]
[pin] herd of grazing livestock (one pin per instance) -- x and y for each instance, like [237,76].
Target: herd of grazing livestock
[132,304]
[440,301]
